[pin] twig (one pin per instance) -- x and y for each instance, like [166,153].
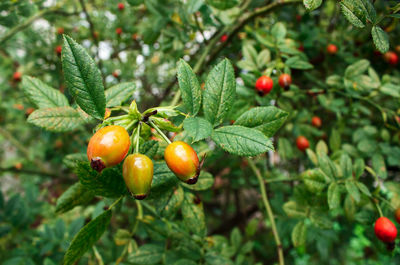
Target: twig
[269,210]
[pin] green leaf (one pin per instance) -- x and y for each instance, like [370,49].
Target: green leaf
[204,182]
[349,207]
[348,10]
[333,195]
[118,94]
[108,183]
[327,166]
[263,58]
[314,180]
[168,205]
[311,5]
[335,140]
[42,95]
[222,4]
[165,124]
[193,215]
[297,63]
[190,88]
[265,119]
[60,119]
[149,148]
[312,156]
[72,160]
[86,237]
[357,68]
[364,189]
[219,92]
[352,189]
[197,128]
[75,195]
[241,141]
[236,238]
[83,78]
[146,255]
[378,164]
[163,181]
[390,89]
[321,147]
[299,234]
[278,31]
[294,210]
[380,38]
[345,165]
[358,167]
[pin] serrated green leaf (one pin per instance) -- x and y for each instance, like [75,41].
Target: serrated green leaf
[219,92]
[193,215]
[364,189]
[169,204]
[278,31]
[327,166]
[312,156]
[60,119]
[311,5]
[190,88]
[236,238]
[314,180]
[294,210]
[146,255]
[72,160]
[265,119]
[109,183]
[299,234]
[333,195]
[378,164]
[321,147]
[357,68]
[86,237]
[380,38]
[352,189]
[149,148]
[83,78]
[346,166]
[163,181]
[222,4]
[349,13]
[197,128]
[204,182]
[75,195]
[335,140]
[241,140]
[297,63]
[41,94]
[358,167]
[118,94]
[349,207]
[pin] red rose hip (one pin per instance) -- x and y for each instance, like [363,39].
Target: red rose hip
[302,143]
[332,49]
[316,121]
[385,230]
[285,80]
[264,85]
[391,58]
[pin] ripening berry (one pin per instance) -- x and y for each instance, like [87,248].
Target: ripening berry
[118,31]
[285,80]
[385,230]
[108,147]
[224,38]
[115,74]
[183,161]
[60,31]
[107,113]
[138,175]
[264,85]
[121,6]
[397,215]
[29,111]
[17,76]
[316,121]
[391,58]
[332,49]
[302,143]
[58,49]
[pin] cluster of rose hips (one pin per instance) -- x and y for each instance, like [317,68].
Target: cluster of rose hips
[264,84]
[110,145]
[386,231]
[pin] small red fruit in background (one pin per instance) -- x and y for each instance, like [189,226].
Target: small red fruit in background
[29,111]
[285,80]
[135,36]
[18,106]
[118,31]
[264,85]
[391,58]
[121,6]
[316,122]
[60,31]
[332,49]
[183,161]
[108,147]
[302,143]
[385,230]
[95,35]
[58,49]
[17,76]
[301,48]
[115,74]
[298,18]
[224,38]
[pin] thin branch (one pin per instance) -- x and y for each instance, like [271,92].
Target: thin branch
[267,206]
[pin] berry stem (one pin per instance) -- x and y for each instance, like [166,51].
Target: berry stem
[267,205]
[160,132]
[116,202]
[137,138]
[378,208]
